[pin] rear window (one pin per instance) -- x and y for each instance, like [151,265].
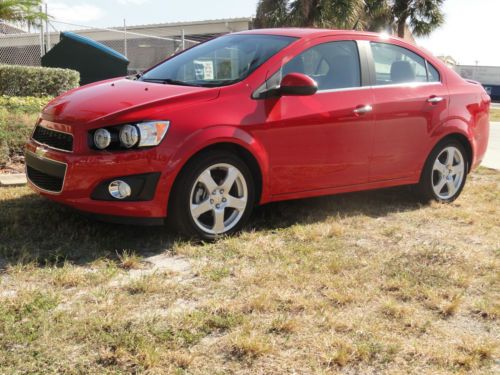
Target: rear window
[394,65]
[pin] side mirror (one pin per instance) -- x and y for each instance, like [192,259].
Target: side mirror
[297,84]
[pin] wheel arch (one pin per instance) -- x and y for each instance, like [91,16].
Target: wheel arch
[241,152]
[464,141]
[458,129]
[230,139]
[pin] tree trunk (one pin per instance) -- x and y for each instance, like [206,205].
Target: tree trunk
[401,27]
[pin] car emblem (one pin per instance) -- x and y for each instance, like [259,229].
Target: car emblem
[40,152]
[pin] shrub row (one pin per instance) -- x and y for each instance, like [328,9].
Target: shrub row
[24,104]
[18,80]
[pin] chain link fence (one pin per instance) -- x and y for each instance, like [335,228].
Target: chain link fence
[142,50]
[21,49]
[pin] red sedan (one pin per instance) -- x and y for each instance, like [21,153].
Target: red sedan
[260,116]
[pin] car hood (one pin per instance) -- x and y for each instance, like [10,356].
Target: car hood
[117,100]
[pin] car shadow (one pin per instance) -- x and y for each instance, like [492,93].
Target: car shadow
[372,203]
[35,229]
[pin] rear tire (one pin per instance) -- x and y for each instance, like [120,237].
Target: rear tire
[213,196]
[444,173]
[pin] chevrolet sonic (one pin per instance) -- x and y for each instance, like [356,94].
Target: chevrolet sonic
[260,116]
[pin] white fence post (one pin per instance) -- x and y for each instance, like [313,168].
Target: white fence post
[47,31]
[125,38]
[42,37]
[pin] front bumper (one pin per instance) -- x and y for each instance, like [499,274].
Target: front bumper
[76,180]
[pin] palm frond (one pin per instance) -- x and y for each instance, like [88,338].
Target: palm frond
[22,11]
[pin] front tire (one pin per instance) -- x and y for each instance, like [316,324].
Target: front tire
[213,196]
[445,173]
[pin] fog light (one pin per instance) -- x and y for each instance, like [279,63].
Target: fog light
[119,189]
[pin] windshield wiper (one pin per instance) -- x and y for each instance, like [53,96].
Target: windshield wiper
[169,81]
[222,82]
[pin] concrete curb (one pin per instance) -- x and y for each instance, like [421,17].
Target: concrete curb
[17,179]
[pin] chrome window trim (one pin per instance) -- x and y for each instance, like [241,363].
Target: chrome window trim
[52,160]
[392,85]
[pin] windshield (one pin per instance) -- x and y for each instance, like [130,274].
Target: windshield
[218,62]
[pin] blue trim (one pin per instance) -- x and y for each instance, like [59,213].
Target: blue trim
[93,43]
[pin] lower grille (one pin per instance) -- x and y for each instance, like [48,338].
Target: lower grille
[46,174]
[45,181]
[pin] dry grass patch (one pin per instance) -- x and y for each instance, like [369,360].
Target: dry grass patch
[129,260]
[494,114]
[360,283]
[248,346]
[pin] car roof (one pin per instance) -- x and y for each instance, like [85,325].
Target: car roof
[313,33]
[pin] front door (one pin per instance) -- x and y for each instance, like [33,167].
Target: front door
[323,140]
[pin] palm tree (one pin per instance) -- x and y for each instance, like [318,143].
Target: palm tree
[308,13]
[22,11]
[377,16]
[341,14]
[421,16]
[271,13]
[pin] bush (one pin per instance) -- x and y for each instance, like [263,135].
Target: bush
[17,120]
[24,104]
[36,81]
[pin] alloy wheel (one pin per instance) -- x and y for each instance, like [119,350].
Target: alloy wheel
[218,198]
[448,172]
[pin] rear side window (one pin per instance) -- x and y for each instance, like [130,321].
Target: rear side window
[433,73]
[394,64]
[333,65]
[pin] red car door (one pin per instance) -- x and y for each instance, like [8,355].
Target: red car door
[323,140]
[409,101]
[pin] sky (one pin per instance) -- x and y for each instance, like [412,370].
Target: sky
[468,34]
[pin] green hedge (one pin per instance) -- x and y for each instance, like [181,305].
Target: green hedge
[24,104]
[18,80]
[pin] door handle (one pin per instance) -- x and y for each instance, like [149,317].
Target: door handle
[363,109]
[435,99]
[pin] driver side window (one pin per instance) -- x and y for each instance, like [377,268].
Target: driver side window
[333,65]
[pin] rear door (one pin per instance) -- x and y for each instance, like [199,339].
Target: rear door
[409,101]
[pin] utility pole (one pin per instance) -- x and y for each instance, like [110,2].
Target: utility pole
[183,39]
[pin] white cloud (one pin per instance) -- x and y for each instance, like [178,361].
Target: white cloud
[132,2]
[79,13]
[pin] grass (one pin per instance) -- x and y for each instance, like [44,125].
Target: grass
[495,114]
[359,283]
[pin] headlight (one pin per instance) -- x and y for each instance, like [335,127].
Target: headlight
[152,133]
[143,134]
[129,136]
[102,138]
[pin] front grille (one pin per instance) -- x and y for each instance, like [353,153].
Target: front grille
[54,139]
[45,181]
